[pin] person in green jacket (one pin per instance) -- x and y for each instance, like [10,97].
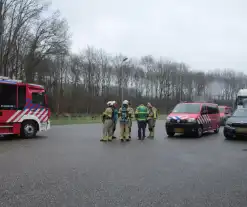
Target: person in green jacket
[141,114]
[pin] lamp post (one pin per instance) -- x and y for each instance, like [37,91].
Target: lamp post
[122,77]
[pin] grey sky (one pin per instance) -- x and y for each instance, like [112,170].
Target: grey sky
[206,34]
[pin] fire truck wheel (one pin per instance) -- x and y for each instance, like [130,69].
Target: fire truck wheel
[28,129]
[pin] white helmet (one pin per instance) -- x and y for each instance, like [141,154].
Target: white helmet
[109,103]
[125,102]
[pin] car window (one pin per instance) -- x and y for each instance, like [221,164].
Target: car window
[240,113]
[187,108]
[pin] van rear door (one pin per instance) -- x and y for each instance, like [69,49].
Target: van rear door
[213,113]
[204,117]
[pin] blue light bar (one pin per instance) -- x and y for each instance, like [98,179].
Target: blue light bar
[9,81]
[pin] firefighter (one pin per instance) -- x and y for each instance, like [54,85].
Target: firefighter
[132,116]
[107,119]
[124,117]
[115,114]
[141,114]
[152,116]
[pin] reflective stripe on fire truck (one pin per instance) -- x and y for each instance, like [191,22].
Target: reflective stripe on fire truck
[41,114]
[204,119]
[13,116]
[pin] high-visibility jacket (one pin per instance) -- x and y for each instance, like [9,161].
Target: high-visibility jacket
[108,113]
[124,114]
[152,113]
[131,113]
[141,113]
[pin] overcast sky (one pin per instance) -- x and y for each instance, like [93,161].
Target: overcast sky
[206,34]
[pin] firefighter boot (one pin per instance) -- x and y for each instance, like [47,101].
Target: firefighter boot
[129,133]
[126,134]
[152,134]
[122,132]
[104,139]
[109,138]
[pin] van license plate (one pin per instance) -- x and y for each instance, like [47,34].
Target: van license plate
[179,130]
[241,130]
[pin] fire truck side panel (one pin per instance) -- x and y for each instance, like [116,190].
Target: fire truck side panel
[5,115]
[16,128]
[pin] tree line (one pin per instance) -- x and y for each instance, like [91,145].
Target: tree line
[35,47]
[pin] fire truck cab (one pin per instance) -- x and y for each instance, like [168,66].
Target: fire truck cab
[24,109]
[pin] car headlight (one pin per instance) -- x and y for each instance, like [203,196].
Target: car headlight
[191,120]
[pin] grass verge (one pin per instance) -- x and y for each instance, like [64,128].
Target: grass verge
[68,121]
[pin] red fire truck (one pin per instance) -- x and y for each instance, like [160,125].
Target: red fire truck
[23,108]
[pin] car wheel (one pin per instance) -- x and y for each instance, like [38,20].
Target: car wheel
[28,129]
[227,136]
[216,131]
[170,134]
[199,132]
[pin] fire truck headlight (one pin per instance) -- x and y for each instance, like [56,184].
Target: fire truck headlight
[192,120]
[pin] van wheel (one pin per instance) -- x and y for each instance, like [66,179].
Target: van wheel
[28,129]
[170,134]
[216,131]
[199,132]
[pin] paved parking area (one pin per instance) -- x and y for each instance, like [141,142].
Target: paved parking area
[69,166]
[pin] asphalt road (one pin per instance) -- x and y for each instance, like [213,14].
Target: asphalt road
[69,166]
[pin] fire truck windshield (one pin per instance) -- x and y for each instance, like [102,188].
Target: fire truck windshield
[8,96]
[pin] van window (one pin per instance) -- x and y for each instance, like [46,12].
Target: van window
[222,109]
[8,96]
[192,108]
[204,108]
[228,111]
[213,109]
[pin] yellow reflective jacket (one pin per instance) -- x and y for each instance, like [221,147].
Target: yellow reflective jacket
[152,113]
[108,113]
[131,113]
